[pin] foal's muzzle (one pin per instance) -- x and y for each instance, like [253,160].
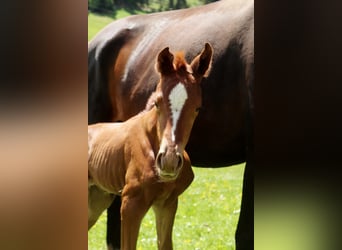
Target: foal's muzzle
[169,164]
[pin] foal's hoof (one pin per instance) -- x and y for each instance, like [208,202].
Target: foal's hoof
[110,247]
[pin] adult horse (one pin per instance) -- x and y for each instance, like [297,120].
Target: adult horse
[122,77]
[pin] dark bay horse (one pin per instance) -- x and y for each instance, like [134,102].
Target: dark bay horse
[143,159]
[122,77]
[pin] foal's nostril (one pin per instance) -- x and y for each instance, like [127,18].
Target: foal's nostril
[159,160]
[180,160]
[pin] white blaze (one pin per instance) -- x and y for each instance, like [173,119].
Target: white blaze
[177,98]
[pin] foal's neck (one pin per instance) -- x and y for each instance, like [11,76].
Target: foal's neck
[150,123]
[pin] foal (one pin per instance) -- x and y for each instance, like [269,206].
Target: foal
[143,159]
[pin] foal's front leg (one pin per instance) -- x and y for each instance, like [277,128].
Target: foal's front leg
[133,209]
[165,212]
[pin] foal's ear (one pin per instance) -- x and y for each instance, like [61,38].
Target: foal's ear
[165,62]
[202,63]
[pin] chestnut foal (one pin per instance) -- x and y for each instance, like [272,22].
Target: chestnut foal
[143,159]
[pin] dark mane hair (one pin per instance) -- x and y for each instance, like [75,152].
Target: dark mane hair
[150,102]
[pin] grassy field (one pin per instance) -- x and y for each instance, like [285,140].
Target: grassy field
[208,210]
[206,217]
[96,22]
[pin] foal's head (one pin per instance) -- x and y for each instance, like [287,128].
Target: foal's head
[177,99]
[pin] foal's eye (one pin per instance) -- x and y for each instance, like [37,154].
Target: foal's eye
[156,105]
[198,109]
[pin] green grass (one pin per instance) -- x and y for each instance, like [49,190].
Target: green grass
[97,22]
[206,218]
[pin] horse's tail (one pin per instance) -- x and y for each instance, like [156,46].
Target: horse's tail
[102,53]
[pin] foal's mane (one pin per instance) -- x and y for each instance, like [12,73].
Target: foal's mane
[150,101]
[180,64]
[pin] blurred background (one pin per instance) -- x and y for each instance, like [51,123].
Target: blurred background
[43,117]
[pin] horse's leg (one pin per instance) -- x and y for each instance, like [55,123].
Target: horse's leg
[98,201]
[114,224]
[133,209]
[244,236]
[165,215]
